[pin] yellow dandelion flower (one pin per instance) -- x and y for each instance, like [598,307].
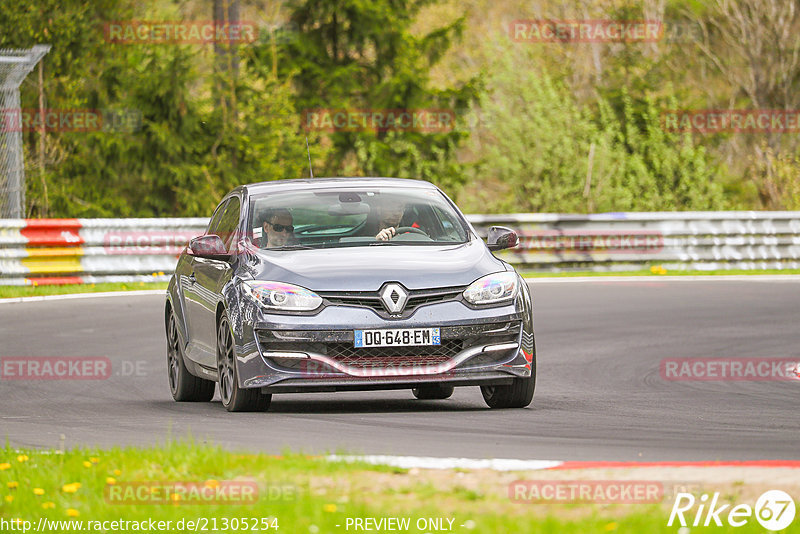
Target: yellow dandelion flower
[94,460]
[71,488]
[9,498]
[38,491]
[13,485]
[212,483]
[87,464]
[22,458]
[72,512]
[111,481]
[330,508]
[5,466]
[117,472]
[47,505]
[611,526]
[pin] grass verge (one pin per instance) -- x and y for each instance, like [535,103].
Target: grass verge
[295,493]
[35,291]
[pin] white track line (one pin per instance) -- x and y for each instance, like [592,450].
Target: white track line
[648,278]
[70,296]
[425,462]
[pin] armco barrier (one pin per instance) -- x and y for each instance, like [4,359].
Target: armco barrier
[672,240]
[59,251]
[74,251]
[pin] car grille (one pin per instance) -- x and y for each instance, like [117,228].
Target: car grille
[344,351]
[338,346]
[371,299]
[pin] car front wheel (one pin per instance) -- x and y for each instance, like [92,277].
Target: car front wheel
[518,394]
[433,392]
[234,398]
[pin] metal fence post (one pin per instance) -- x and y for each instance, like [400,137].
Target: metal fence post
[15,64]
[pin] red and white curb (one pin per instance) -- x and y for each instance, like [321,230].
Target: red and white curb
[507,464]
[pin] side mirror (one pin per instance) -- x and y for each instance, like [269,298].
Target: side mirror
[501,238]
[209,246]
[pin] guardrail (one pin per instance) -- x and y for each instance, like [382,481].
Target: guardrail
[61,251]
[77,251]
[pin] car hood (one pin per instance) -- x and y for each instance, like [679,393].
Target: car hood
[368,268]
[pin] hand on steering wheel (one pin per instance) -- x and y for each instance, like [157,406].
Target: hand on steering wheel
[387,233]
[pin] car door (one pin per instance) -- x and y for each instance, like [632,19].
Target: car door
[196,349]
[210,275]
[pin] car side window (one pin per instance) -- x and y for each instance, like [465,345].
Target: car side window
[214,222]
[228,223]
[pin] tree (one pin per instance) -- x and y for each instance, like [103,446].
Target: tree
[363,55]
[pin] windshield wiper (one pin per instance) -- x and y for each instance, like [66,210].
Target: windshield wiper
[291,247]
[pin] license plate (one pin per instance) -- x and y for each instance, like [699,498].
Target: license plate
[398,337]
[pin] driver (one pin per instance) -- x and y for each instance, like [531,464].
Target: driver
[389,218]
[278,229]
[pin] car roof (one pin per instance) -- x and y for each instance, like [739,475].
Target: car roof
[321,183]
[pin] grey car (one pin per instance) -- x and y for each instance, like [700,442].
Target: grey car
[346,284]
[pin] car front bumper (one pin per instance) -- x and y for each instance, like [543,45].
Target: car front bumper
[296,353]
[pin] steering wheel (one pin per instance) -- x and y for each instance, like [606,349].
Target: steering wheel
[410,229]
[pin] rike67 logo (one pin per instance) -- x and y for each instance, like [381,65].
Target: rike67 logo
[774,510]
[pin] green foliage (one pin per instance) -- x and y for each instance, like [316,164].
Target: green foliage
[359,55]
[185,153]
[553,127]
[538,145]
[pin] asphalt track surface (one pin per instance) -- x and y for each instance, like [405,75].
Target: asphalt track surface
[599,393]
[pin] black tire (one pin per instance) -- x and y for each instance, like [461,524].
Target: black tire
[234,398]
[184,386]
[433,392]
[519,394]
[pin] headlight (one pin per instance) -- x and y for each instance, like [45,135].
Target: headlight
[281,296]
[492,288]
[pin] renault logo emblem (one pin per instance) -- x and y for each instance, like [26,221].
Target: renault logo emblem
[394,297]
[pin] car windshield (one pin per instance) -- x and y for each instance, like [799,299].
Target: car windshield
[317,218]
